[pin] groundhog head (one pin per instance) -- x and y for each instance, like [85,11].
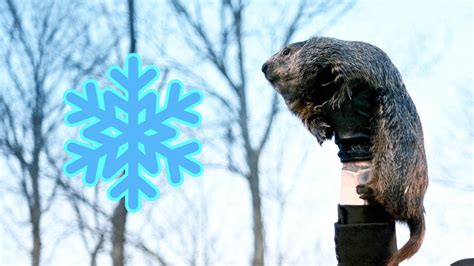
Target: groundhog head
[283,69]
[304,71]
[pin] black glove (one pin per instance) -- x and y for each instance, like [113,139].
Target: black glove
[364,235]
[352,124]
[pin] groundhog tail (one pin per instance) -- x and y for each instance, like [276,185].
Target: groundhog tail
[417,234]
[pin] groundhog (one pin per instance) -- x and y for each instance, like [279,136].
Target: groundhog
[317,76]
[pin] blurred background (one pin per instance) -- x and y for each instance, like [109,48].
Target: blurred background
[269,192]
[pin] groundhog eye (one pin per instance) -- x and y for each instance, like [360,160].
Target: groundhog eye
[285,51]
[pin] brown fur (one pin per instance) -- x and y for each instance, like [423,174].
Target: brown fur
[314,77]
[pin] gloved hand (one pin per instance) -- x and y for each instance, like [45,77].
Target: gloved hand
[351,123]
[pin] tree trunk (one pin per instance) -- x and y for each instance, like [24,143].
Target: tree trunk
[35,217]
[34,168]
[131,23]
[119,218]
[36,252]
[258,232]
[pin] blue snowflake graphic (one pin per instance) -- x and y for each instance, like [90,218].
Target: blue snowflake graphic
[125,133]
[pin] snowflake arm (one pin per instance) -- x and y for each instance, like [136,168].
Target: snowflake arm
[178,106]
[179,109]
[88,109]
[179,160]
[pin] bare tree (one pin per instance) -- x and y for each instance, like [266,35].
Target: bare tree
[44,39]
[219,50]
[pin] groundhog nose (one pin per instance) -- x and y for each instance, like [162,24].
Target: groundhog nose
[265,68]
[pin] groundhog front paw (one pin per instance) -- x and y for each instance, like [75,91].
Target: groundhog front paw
[365,192]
